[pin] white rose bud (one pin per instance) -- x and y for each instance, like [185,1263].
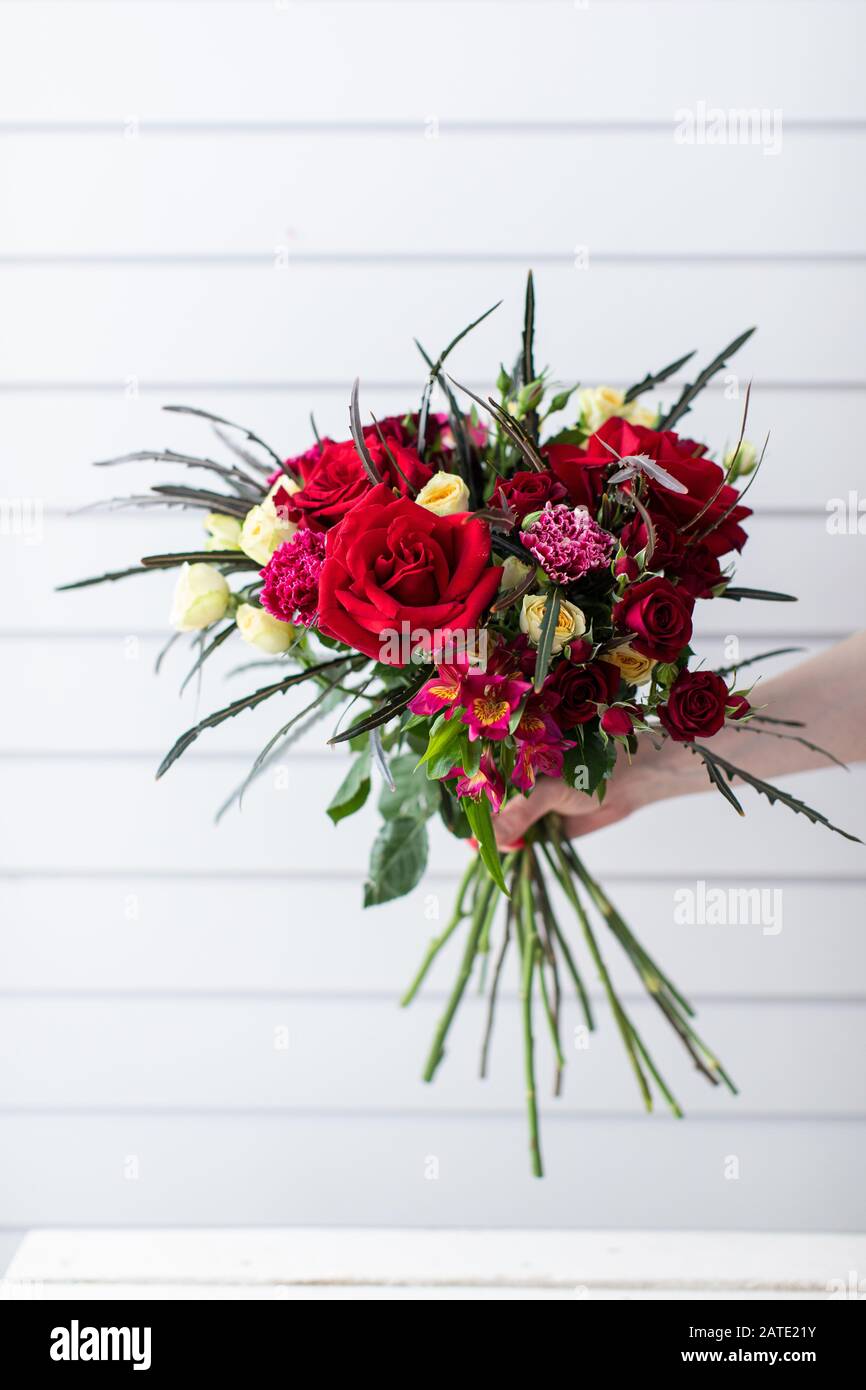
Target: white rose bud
[224,532]
[201,598]
[513,574]
[444,495]
[570,622]
[258,627]
[746,460]
[266,526]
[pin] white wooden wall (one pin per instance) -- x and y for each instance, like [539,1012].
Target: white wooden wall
[241,206]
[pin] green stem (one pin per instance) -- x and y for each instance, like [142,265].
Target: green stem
[654,976]
[532,943]
[556,933]
[494,989]
[622,1020]
[529,1057]
[439,941]
[437,1050]
[676,1009]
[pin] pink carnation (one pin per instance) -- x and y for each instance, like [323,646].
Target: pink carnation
[291,588]
[567,544]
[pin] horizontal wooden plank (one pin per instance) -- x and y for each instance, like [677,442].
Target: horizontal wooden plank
[243,195]
[266,61]
[359,1171]
[237,936]
[376,1293]
[306,321]
[52,462]
[796,555]
[114,703]
[86,815]
[612,1262]
[330,1055]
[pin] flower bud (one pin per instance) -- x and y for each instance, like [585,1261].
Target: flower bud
[514,572]
[201,598]
[444,495]
[225,532]
[570,622]
[257,627]
[266,526]
[743,463]
[636,669]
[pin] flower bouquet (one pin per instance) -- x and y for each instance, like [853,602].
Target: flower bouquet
[489,595]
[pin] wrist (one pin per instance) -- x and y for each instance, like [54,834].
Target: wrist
[658,774]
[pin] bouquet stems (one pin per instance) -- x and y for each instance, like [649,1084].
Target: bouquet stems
[545,946]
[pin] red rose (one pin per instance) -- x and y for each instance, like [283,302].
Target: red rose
[582,476]
[529,491]
[581,689]
[659,615]
[693,564]
[616,722]
[695,706]
[683,459]
[391,563]
[336,480]
[738,706]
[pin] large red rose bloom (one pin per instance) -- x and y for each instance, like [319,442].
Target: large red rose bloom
[683,459]
[391,562]
[659,615]
[336,480]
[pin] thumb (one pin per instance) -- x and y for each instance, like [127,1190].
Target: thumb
[522,812]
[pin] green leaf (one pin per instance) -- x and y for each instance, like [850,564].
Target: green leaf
[654,378]
[715,765]
[768,595]
[598,757]
[546,636]
[393,705]
[397,860]
[246,702]
[441,752]
[452,813]
[353,790]
[413,795]
[561,399]
[692,390]
[481,822]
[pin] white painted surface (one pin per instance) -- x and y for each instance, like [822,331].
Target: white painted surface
[447,1264]
[160,163]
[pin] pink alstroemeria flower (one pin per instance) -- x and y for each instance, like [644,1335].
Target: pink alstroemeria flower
[442,691]
[534,759]
[490,702]
[485,782]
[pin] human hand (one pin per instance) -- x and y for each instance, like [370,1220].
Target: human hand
[653,775]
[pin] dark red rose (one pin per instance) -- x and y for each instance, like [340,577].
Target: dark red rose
[695,706]
[391,563]
[659,616]
[616,722]
[336,480]
[692,563]
[684,460]
[738,706]
[581,689]
[529,491]
[582,476]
